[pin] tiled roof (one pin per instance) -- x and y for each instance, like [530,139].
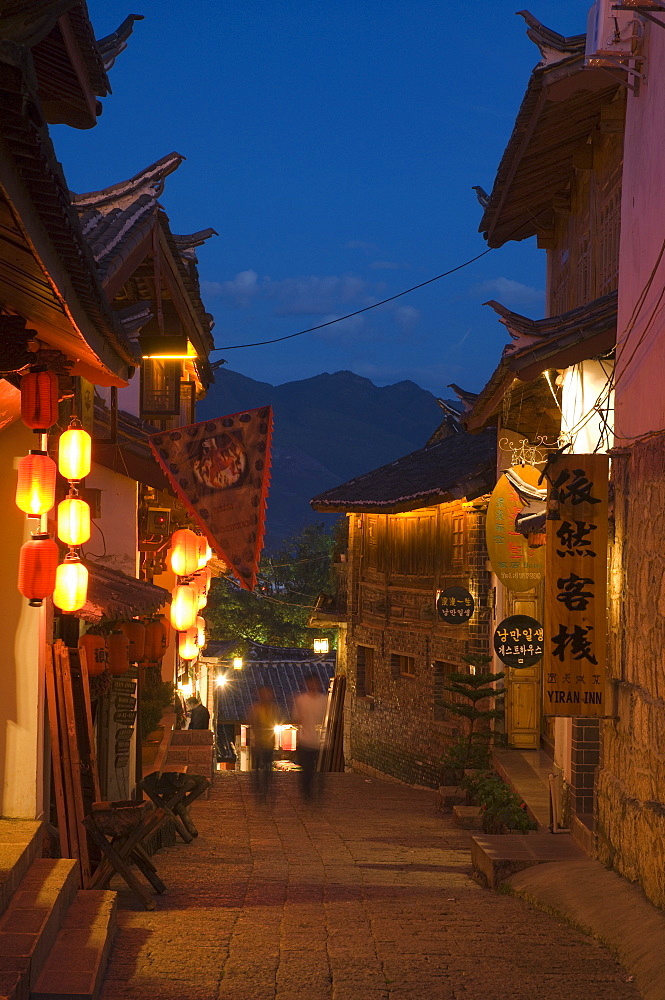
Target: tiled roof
[113,595]
[112,45]
[285,677]
[461,465]
[553,342]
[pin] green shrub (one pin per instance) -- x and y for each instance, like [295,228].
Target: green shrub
[503,810]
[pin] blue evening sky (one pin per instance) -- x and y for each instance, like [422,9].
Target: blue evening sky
[333,145]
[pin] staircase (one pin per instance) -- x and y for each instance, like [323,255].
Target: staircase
[54,938]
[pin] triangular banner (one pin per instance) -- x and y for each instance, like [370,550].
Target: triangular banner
[220,469]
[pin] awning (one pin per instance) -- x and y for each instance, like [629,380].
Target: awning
[114,595]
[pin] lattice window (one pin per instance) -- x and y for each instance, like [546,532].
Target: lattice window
[402,666]
[609,227]
[160,388]
[458,540]
[364,671]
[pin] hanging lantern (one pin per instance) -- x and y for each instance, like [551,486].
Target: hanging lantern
[135,632]
[202,600]
[117,646]
[74,451]
[35,489]
[205,552]
[156,639]
[202,578]
[201,633]
[93,648]
[188,647]
[184,607]
[184,554]
[73,521]
[71,585]
[37,566]
[39,400]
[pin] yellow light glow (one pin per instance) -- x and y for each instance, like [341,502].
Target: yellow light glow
[74,453]
[73,521]
[222,680]
[188,647]
[321,645]
[184,607]
[237,662]
[71,585]
[278,729]
[186,690]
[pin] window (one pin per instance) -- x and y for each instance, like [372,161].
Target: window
[402,666]
[160,388]
[458,540]
[187,402]
[442,672]
[364,671]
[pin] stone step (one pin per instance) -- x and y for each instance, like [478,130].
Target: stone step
[499,857]
[20,844]
[75,967]
[33,917]
[468,817]
[448,796]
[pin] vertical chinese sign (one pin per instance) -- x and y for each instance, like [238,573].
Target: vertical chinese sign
[574,678]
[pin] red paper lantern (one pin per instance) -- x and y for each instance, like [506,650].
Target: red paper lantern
[135,632]
[71,585]
[35,489]
[156,639]
[184,554]
[184,607]
[188,646]
[117,645]
[37,567]
[93,648]
[39,400]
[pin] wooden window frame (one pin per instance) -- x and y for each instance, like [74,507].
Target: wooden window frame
[365,671]
[171,370]
[402,665]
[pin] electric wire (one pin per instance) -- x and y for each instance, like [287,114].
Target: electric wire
[340,319]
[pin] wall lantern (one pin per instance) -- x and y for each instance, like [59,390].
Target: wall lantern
[184,554]
[39,400]
[321,645]
[37,567]
[71,585]
[74,451]
[237,663]
[188,647]
[35,489]
[117,645]
[73,521]
[93,648]
[184,606]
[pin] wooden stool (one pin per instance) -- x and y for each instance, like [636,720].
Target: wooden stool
[174,790]
[118,829]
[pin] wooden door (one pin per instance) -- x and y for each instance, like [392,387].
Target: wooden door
[523,686]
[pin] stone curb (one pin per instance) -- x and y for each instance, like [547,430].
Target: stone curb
[602,904]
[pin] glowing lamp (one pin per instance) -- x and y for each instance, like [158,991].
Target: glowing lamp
[202,599]
[321,645]
[135,633]
[188,647]
[237,662]
[184,555]
[200,628]
[205,552]
[184,606]
[156,639]
[37,566]
[73,521]
[222,679]
[71,585]
[93,649]
[35,489]
[117,645]
[39,400]
[74,452]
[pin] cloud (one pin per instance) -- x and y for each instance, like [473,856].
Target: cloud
[509,292]
[385,265]
[407,318]
[240,290]
[310,295]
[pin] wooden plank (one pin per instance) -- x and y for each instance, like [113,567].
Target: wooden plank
[85,681]
[56,754]
[75,763]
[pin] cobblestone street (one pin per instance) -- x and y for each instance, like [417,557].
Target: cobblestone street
[367,898]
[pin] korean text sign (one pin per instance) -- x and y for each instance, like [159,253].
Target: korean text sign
[574,667]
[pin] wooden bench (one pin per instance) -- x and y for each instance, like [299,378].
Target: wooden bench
[173,790]
[118,829]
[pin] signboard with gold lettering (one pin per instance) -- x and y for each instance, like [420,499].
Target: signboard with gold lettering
[455,605]
[574,667]
[518,566]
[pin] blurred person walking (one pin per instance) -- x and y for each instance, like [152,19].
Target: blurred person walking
[263,717]
[199,716]
[309,712]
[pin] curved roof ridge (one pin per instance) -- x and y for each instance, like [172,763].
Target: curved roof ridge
[150,181]
[110,46]
[552,46]
[191,240]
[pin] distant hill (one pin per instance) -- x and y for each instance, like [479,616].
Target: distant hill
[328,429]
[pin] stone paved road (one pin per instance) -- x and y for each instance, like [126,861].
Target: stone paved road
[367,898]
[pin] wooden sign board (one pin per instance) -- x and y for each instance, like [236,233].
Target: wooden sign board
[455,605]
[518,566]
[574,667]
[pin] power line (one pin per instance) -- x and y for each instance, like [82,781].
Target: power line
[340,319]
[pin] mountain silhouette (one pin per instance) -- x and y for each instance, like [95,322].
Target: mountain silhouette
[328,428]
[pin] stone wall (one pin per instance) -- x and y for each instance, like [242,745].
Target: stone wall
[631,779]
[394,731]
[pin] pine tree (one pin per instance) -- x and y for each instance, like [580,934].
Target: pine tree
[471,690]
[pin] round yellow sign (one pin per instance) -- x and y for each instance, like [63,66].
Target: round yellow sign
[517,565]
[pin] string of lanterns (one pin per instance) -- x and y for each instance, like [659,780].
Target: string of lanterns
[39,575]
[127,642]
[188,557]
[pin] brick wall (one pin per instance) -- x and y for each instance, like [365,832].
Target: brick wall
[630,823]
[394,730]
[193,747]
